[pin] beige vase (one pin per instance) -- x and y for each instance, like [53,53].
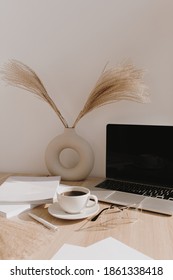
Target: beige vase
[69,140]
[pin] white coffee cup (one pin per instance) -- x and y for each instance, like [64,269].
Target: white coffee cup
[74,199]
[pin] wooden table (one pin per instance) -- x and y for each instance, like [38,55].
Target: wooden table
[152,234]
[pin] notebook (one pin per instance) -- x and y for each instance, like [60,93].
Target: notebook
[139,167]
[28,190]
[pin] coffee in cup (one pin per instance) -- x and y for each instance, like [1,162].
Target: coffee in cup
[74,199]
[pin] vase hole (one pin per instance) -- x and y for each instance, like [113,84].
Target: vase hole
[69,158]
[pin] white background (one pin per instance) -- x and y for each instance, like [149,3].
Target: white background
[68,43]
[24,269]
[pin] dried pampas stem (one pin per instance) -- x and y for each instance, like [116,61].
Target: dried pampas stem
[122,83]
[20,75]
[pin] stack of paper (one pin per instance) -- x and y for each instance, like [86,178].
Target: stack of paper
[107,249]
[19,193]
[9,211]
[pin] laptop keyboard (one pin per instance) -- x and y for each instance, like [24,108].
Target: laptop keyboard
[141,189]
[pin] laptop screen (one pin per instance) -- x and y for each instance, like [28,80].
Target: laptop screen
[140,153]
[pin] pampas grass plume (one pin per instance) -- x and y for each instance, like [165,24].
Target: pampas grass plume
[124,82]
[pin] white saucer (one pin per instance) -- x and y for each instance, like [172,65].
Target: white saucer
[57,212]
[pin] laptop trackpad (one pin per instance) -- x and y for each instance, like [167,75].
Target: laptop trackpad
[157,205]
[125,198]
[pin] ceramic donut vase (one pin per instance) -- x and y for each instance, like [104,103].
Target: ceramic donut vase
[69,139]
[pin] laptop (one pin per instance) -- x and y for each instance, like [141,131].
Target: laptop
[139,167]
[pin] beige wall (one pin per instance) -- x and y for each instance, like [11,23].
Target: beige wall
[68,43]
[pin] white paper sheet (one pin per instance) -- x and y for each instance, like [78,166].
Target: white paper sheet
[107,249]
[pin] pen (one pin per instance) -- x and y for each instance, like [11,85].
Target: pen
[43,222]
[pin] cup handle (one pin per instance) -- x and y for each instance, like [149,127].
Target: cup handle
[93,199]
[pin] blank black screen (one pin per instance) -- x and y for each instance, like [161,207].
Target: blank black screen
[140,153]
